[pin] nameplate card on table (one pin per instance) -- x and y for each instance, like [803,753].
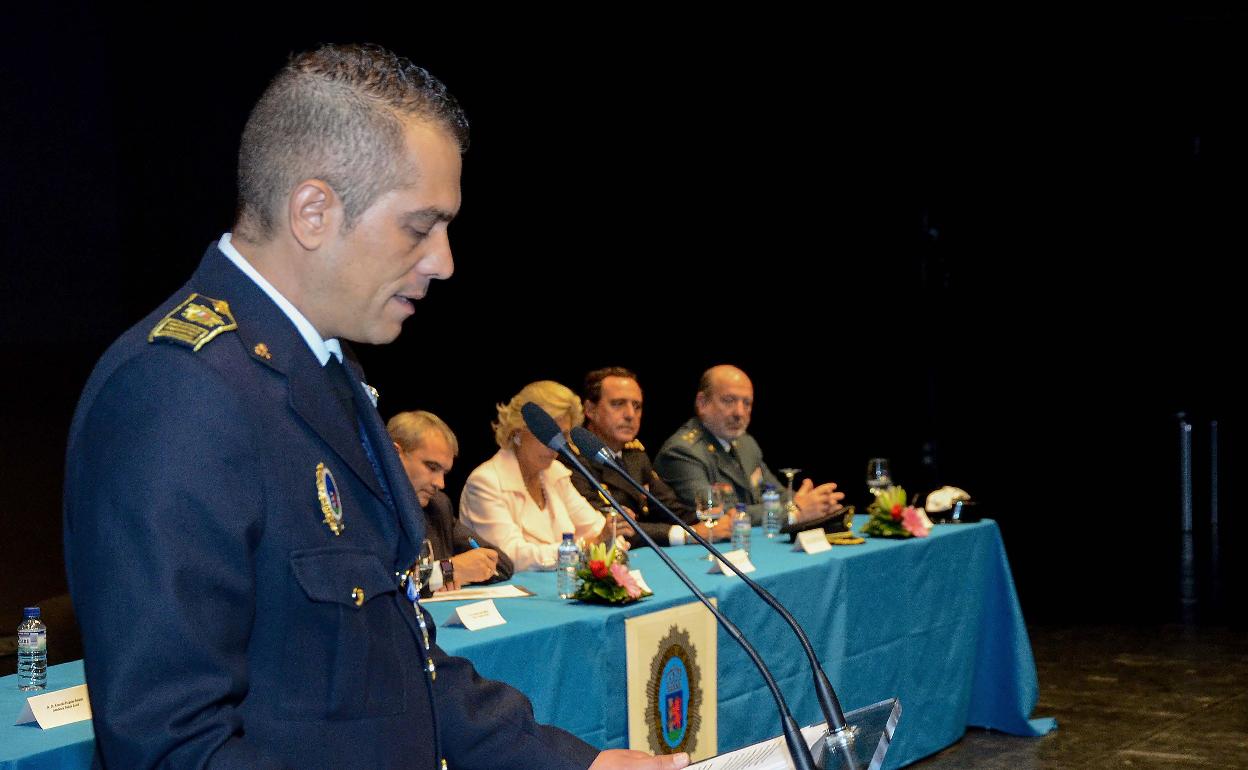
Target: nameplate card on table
[480,592]
[476,616]
[641,583]
[812,541]
[739,557]
[53,709]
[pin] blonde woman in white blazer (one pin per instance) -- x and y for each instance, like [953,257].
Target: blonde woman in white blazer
[520,499]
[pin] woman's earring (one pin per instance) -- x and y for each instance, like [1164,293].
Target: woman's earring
[515,439]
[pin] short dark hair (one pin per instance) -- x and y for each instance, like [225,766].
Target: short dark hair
[706,383]
[592,389]
[337,114]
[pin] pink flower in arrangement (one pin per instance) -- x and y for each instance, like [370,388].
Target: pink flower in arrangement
[620,573]
[916,522]
[598,569]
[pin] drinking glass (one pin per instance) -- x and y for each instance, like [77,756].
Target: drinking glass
[709,507]
[424,564]
[878,477]
[790,505]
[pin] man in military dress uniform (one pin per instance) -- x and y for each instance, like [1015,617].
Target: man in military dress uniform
[239,531]
[612,401]
[714,448]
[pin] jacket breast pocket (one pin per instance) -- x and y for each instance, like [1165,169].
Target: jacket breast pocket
[348,646]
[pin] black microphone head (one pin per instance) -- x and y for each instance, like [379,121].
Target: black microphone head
[543,425]
[589,444]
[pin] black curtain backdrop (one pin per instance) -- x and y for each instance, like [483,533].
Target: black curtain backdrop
[995,250]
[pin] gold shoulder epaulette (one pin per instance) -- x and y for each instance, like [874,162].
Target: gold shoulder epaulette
[690,436]
[635,444]
[194,322]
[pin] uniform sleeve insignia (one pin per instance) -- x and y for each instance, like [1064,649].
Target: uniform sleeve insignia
[195,322]
[635,444]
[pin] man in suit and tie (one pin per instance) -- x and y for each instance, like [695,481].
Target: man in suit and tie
[239,532]
[427,448]
[612,401]
[714,448]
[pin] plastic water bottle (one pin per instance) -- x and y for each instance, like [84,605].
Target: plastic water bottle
[771,511]
[741,529]
[32,651]
[569,561]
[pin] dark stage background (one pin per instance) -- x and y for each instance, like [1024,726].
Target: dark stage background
[996,250]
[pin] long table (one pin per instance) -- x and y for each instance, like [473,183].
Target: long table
[933,621]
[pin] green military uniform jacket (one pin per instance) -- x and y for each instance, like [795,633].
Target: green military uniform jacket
[694,457]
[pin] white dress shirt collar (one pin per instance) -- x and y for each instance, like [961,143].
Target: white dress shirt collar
[321,348]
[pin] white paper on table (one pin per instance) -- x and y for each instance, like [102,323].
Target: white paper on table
[767,755]
[740,557]
[641,583]
[481,592]
[56,708]
[476,616]
[812,541]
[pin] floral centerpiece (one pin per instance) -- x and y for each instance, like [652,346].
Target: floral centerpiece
[891,517]
[604,579]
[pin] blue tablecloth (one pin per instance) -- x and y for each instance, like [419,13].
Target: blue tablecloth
[29,746]
[934,621]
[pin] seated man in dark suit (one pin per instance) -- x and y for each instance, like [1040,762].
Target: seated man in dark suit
[427,448]
[612,403]
[714,448]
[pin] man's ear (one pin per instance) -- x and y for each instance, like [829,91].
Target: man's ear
[314,211]
[699,402]
[588,407]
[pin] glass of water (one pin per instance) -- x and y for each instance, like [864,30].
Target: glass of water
[424,564]
[878,477]
[709,507]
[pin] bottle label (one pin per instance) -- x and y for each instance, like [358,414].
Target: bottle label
[32,641]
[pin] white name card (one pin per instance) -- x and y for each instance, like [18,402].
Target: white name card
[641,583]
[739,557]
[53,709]
[476,616]
[812,541]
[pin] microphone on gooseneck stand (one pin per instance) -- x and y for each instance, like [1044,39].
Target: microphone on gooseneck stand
[837,732]
[546,431]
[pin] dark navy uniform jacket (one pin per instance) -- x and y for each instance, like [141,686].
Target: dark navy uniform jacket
[225,625]
[633,459]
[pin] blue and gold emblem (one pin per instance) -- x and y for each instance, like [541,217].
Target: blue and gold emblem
[674,695]
[331,502]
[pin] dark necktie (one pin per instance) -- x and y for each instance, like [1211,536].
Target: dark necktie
[340,381]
